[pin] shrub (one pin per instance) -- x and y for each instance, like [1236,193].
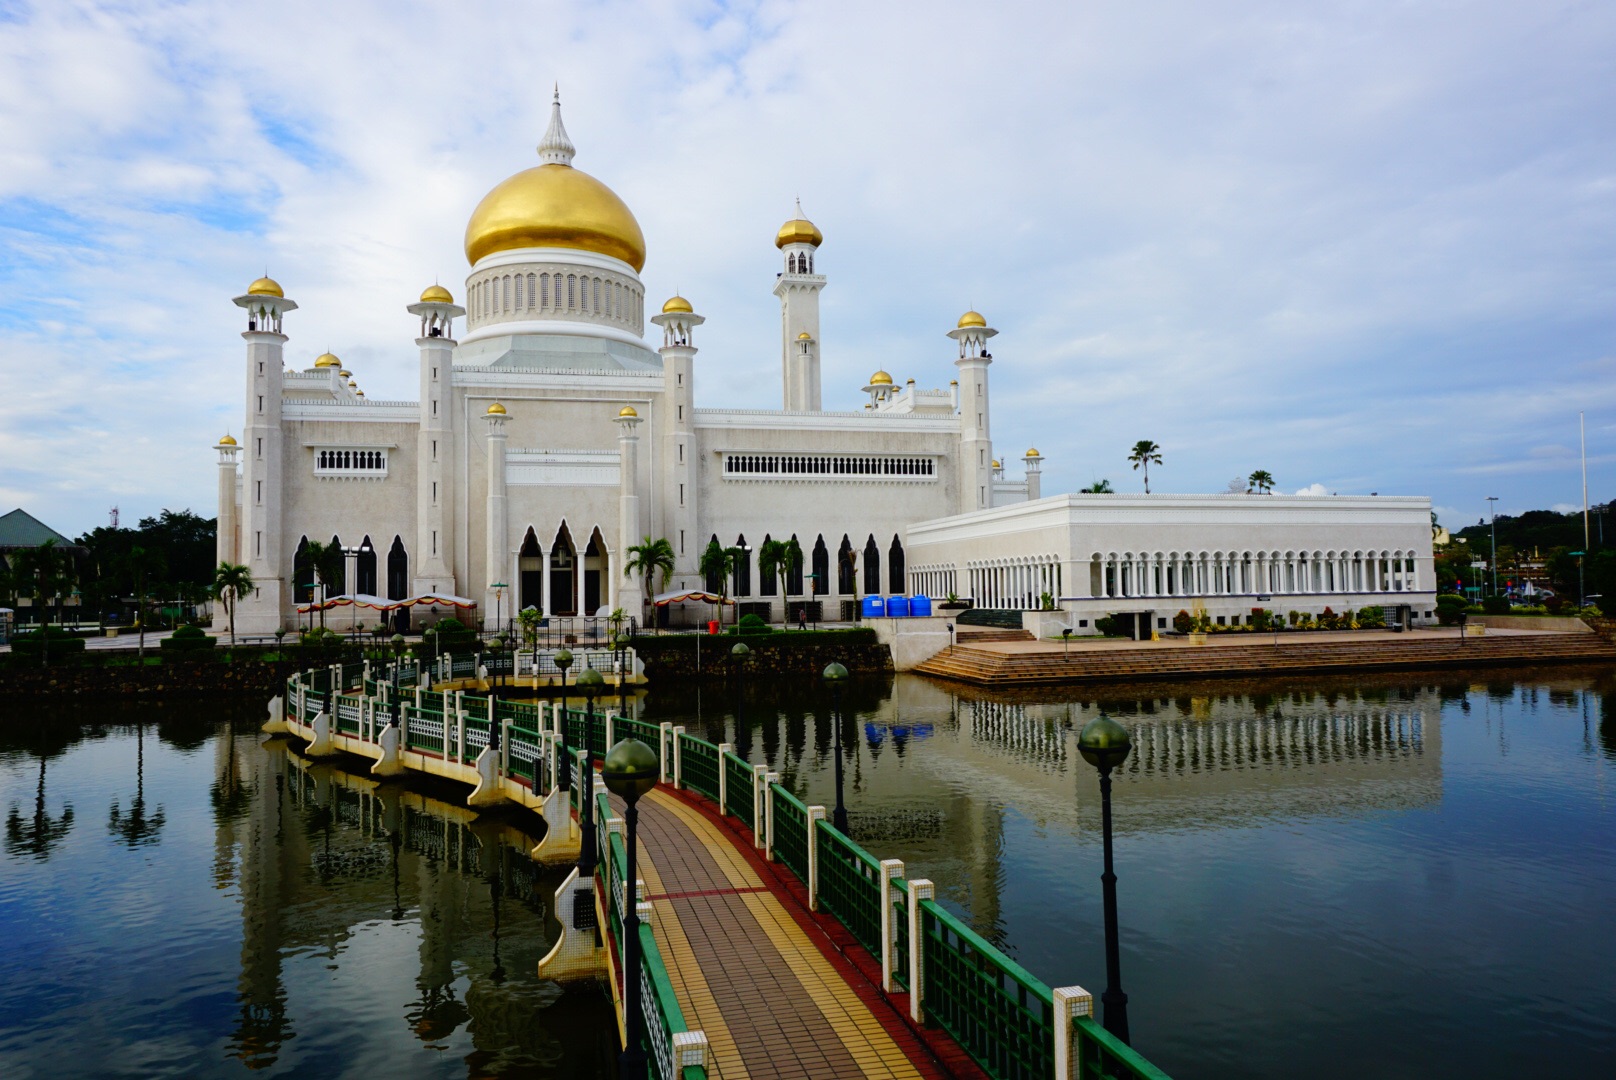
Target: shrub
[1182,622]
[29,642]
[187,639]
[1495,605]
[1295,617]
[754,624]
[1107,626]
[1554,604]
[1449,607]
[1372,618]
[1258,620]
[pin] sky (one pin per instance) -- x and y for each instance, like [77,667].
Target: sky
[1367,247]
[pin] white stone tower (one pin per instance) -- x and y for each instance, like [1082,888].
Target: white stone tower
[627,587]
[976,439]
[1035,479]
[498,511]
[259,537]
[435,471]
[226,537]
[798,289]
[682,479]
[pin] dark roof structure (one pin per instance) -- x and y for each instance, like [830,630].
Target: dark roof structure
[20,529]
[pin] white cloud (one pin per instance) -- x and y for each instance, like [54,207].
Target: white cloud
[1314,489]
[1372,246]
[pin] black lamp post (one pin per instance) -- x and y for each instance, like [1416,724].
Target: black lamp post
[834,675]
[398,659]
[590,682]
[1105,744]
[563,661]
[630,770]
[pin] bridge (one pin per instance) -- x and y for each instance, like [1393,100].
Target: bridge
[771,944]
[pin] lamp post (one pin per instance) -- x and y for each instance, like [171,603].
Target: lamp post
[398,659]
[590,682]
[951,639]
[1105,744]
[563,661]
[630,770]
[1066,640]
[499,588]
[835,675]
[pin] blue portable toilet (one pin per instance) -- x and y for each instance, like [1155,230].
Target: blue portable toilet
[874,607]
[919,605]
[897,606]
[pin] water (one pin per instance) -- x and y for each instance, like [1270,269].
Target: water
[1383,877]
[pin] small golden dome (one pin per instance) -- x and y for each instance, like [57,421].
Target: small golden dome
[996,464]
[554,205]
[345,373]
[496,409]
[327,360]
[627,410]
[265,286]
[352,385]
[359,393]
[436,294]
[798,231]
[880,378]
[677,303]
[227,441]
[971,318]
[1032,451]
[805,336]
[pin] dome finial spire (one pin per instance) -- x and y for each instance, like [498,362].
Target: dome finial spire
[556,149]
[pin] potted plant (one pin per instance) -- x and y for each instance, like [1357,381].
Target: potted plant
[953,603]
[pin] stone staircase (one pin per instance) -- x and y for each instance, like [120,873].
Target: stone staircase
[974,635]
[993,667]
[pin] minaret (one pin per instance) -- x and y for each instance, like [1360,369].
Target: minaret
[627,587]
[435,443]
[798,289]
[225,535]
[498,512]
[679,432]
[976,441]
[1035,480]
[259,536]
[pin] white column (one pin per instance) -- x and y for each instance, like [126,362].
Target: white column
[498,524]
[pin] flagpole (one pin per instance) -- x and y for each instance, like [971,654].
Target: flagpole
[1582,430]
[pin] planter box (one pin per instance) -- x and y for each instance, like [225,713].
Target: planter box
[1197,639]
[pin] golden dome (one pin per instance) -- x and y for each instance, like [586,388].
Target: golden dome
[436,294]
[1032,451]
[880,378]
[265,286]
[677,303]
[327,360]
[227,441]
[359,393]
[805,336]
[798,231]
[352,385]
[345,373]
[627,410]
[971,318]
[996,464]
[496,409]
[554,205]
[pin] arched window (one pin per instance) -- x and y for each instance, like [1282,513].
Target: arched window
[821,567]
[895,578]
[872,566]
[794,578]
[365,568]
[521,301]
[766,582]
[339,584]
[846,569]
[544,292]
[302,573]
[398,571]
[743,572]
[713,579]
[572,292]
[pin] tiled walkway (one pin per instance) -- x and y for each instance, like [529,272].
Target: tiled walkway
[745,971]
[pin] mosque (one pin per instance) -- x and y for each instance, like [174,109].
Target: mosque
[549,437]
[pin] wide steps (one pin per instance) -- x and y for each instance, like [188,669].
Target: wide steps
[987,666]
[975,636]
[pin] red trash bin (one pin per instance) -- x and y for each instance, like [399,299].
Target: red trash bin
[712,626]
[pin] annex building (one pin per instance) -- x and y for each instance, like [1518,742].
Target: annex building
[549,436]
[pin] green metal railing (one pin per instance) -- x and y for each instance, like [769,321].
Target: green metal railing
[739,796]
[994,1009]
[1100,1055]
[849,885]
[698,760]
[790,839]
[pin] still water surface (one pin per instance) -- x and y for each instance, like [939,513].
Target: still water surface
[1341,878]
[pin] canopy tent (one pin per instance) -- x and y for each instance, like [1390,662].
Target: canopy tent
[379,603]
[695,596]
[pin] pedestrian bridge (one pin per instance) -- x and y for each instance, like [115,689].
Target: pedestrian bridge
[772,945]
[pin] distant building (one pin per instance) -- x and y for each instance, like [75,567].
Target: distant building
[20,532]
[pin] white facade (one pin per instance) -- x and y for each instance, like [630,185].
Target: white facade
[551,437]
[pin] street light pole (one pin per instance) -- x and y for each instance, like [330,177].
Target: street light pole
[563,661]
[1105,744]
[834,676]
[630,770]
[590,682]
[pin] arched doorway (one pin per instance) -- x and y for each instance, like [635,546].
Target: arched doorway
[846,569]
[872,566]
[743,572]
[302,573]
[563,574]
[365,568]
[398,570]
[530,571]
[595,580]
[821,567]
[895,578]
[766,582]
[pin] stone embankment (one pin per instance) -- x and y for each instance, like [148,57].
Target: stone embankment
[1007,665]
[168,680]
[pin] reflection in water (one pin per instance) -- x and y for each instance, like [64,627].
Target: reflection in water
[37,835]
[135,828]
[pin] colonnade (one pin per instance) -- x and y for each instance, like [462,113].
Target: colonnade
[936,581]
[1248,573]
[1014,583]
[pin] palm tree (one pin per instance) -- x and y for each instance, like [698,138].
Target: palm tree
[326,559]
[717,563]
[231,581]
[37,836]
[141,565]
[136,827]
[1261,482]
[790,562]
[771,556]
[1145,454]
[850,559]
[650,558]
[1099,487]
[41,571]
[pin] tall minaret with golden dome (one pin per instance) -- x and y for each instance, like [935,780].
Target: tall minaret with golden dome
[435,454]
[681,485]
[798,289]
[976,435]
[259,539]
